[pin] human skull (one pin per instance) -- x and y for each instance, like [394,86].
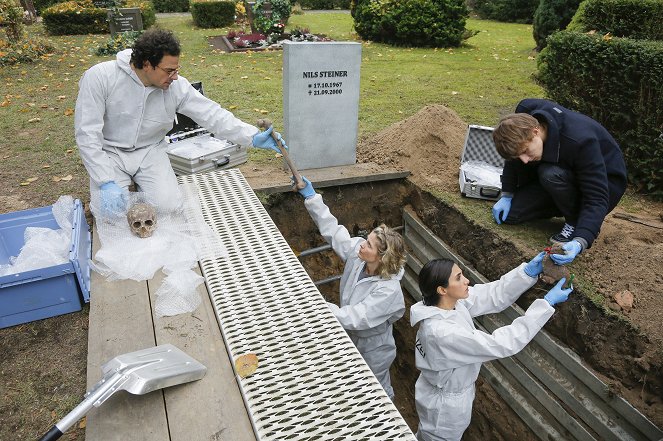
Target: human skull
[142,220]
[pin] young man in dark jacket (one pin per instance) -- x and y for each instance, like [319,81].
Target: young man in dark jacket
[558,163]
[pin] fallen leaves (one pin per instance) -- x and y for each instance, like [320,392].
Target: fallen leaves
[68,112]
[246,365]
[32,120]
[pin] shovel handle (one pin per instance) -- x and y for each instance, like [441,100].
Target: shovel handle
[52,434]
[299,182]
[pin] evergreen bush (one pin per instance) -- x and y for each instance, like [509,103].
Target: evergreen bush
[551,16]
[325,4]
[83,17]
[171,5]
[639,19]
[426,23]
[212,14]
[510,11]
[618,82]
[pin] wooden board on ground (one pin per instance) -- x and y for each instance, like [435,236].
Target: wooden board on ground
[267,180]
[121,321]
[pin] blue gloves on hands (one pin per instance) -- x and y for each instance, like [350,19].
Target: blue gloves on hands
[308,191]
[113,198]
[501,209]
[535,266]
[264,140]
[571,250]
[558,294]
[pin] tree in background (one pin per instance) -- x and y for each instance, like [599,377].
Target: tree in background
[551,16]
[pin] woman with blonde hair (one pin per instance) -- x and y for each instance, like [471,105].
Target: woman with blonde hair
[371,299]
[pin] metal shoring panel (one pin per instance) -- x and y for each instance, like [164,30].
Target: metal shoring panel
[311,383]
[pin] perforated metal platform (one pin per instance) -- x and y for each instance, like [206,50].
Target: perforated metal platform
[311,383]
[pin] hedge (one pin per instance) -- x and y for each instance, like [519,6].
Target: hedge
[212,14]
[171,5]
[82,17]
[324,4]
[639,19]
[512,11]
[433,23]
[618,82]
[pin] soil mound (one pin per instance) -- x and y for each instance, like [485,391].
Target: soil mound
[428,144]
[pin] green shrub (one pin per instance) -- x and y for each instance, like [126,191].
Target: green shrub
[618,82]
[551,16]
[118,42]
[639,19]
[511,11]
[325,4]
[212,14]
[75,17]
[171,5]
[432,23]
[82,17]
[11,20]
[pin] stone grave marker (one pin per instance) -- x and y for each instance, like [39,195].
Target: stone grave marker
[321,102]
[128,19]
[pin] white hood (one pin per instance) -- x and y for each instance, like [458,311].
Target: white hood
[419,312]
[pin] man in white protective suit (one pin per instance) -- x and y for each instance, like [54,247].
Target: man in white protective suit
[371,299]
[449,350]
[124,109]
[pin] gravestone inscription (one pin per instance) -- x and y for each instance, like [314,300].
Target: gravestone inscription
[126,19]
[321,102]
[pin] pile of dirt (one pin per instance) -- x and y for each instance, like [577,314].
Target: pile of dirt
[428,144]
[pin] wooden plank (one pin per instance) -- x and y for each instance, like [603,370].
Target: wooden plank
[211,408]
[121,322]
[321,177]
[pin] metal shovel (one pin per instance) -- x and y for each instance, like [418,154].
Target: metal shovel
[138,373]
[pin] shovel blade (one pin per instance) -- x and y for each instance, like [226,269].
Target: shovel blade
[154,368]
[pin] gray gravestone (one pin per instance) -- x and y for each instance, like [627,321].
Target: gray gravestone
[321,102]
[128,19]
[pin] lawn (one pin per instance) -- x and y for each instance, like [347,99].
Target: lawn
[480,80]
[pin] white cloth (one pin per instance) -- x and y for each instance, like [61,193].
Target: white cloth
[120,125]
[449,350]
[369,306]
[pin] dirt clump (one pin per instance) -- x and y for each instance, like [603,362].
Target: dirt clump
[428,144]
[551,271]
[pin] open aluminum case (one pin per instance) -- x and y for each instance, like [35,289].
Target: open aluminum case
[479,148]
[192,149]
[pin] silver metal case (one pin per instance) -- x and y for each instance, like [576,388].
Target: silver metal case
[479,146]
[203,152]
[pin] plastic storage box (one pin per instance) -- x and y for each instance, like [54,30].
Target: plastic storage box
[480,147]
[44,292]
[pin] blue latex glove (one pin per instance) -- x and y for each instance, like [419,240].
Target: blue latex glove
[558,294]
[308,191]
[571,250]
[113,198]
[535,266]
[501,209]
[264,140]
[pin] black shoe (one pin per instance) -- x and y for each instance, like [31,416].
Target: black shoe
[563,236]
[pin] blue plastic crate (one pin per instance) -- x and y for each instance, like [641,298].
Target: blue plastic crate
[50,291]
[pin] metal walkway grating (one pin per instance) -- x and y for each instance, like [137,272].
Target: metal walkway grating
[312,383]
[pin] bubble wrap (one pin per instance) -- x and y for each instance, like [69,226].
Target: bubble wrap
[44,247]
[177,294]
[483,173]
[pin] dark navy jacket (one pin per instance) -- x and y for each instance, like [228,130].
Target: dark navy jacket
[578,143]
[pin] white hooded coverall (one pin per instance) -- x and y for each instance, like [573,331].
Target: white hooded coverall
[449,350]
[369,306]
[120,127]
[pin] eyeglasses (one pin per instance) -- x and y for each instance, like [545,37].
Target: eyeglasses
[171,72]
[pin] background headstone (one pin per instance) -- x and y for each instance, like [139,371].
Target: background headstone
[129,19]
[321,102]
